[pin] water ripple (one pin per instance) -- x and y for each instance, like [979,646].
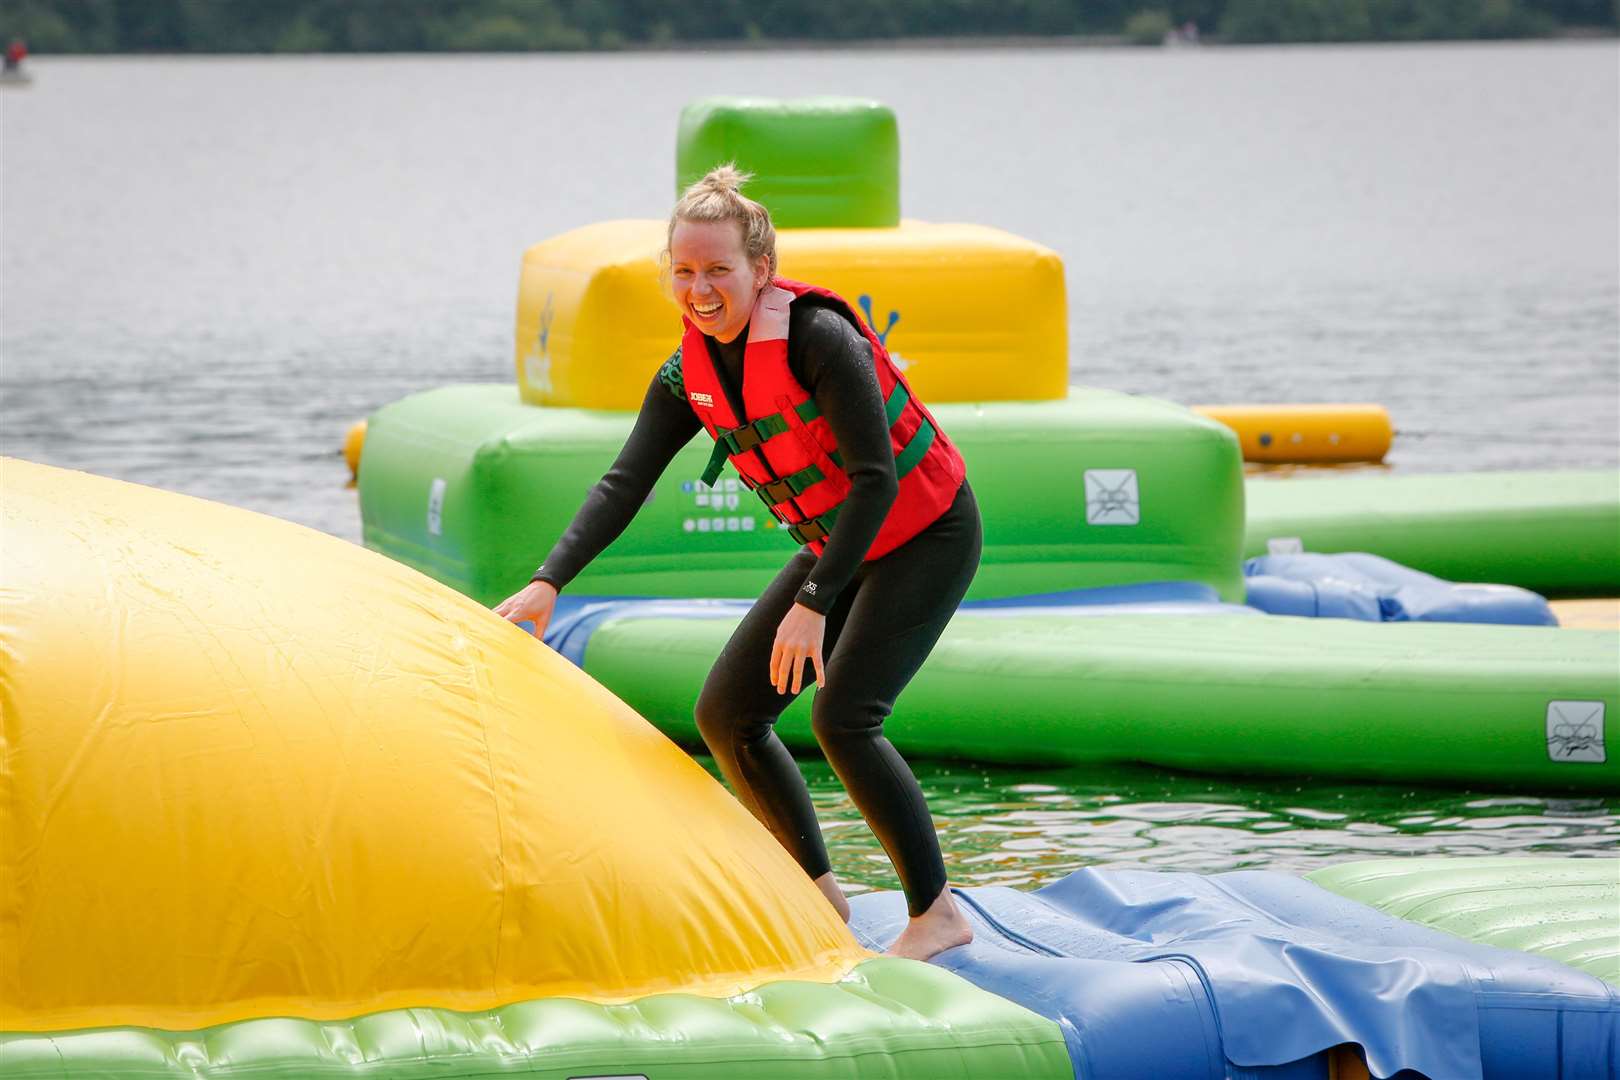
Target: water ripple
[1006,826]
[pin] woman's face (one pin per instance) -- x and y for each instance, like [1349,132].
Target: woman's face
[714,284]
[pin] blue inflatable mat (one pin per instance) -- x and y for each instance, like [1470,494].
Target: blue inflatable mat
[576,618]
[573,624]
[1258,973]
[1354,585]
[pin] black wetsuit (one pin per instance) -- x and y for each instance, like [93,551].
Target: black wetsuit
[883,616]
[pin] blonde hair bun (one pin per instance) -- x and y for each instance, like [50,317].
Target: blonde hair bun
[721,180]
[718,197]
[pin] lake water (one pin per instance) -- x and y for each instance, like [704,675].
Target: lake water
[210,267]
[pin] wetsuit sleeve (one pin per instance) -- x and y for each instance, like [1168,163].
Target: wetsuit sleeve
[837,368]
[664,425]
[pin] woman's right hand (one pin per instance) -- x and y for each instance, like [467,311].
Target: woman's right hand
[534,602]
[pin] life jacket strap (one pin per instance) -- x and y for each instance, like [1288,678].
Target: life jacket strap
[745,438]
[915,450]
[896,403]
[740,440]
[717,463]
[786,488]
[808,532]
[819,528]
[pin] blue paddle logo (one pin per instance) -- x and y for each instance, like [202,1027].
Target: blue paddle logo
[866,309]
[546,315]
[537,368]
[865,302]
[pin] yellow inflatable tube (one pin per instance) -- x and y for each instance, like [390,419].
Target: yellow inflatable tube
[1303,434]
[353,442]
[1598,613]
[253,770]
[594,322]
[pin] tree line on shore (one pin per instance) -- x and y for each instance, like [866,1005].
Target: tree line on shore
[252,26]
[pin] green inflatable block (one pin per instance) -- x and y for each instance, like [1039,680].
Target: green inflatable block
[472,487]
[817,162]
[1565,909]
[887,1020]
[1556,533]
[1220,692]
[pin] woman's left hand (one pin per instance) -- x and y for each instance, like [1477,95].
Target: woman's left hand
[798,639]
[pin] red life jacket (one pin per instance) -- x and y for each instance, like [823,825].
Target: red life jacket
[784,448]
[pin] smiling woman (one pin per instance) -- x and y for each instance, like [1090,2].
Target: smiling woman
[712,285]
[801,396]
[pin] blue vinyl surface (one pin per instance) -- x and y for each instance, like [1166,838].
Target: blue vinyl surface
[1256,973]
[1346,586]
[1354,585]
[577,617]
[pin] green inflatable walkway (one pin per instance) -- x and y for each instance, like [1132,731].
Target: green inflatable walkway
[1219,692]
[888,1020]
[1566,909]
[1557,533]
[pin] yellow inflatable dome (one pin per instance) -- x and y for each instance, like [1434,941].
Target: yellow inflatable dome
[251,770]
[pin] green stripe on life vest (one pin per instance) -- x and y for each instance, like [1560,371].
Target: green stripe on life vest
[896,404]
[907,459]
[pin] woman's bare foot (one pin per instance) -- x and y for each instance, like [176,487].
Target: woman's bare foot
[939,928]
[835,896]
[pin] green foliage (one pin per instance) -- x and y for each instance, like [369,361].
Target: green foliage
[45,29]
[301,36]
[1381,20]
[492,33]
[1147,27]
[99,26]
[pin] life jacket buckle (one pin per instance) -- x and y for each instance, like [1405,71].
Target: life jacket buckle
[779,492]
[742,439]
[808,532]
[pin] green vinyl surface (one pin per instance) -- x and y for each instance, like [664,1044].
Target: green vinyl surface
[472,487]
[817,162]
[887,1020]
[1565,909]
[1557,533]
[1471,704]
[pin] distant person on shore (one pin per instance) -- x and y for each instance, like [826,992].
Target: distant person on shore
[804,400]
[1185,34]
[16,53]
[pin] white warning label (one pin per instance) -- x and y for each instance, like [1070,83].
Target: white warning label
[1575,731]
[435,508]
[1112,497]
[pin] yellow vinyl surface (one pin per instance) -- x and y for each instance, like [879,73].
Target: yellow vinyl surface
[1602,613]
[248,769]
[1307,433]
[594,322]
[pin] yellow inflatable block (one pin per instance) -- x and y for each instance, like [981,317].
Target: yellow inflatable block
[971,313]
[247,769]
[1303,434]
